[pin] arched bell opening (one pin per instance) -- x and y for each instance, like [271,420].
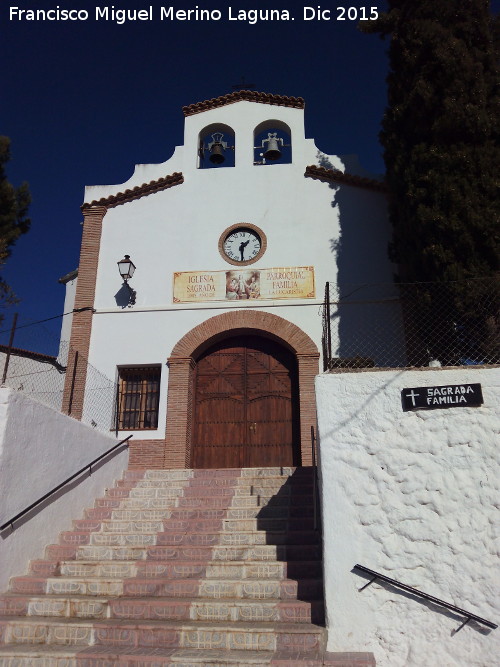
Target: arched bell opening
[272,143]
[216,146]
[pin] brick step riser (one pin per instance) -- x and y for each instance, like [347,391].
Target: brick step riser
[198,503]
[104,657]
[153,636]
[134,658]
[203,488]
[218,483]
[101,513]
[176,569]
[264,553]
[73,538]
[196,474]
[210,491]
[283,472]
[178,610]
[154,490]
[192,525]
[180,588]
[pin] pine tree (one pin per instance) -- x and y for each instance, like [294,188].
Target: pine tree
[440,135]
[14,221]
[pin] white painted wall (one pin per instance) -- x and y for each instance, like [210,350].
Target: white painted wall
[413,495]
[341,231]
[39,449]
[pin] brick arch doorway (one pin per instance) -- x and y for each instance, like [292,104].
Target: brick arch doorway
[245,412]
[178,450]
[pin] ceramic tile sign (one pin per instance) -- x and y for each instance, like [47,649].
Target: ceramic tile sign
[445,396]
[295,282]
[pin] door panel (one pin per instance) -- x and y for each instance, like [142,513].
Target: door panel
[245,412]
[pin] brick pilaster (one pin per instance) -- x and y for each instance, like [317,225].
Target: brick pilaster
[308,368]
[76,374]
[179,412]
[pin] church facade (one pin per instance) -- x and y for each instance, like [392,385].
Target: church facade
[213,333]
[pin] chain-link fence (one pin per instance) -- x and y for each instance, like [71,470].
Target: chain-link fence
[411,325]
[49,377]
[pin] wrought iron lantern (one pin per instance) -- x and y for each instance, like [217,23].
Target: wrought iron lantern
[126,268]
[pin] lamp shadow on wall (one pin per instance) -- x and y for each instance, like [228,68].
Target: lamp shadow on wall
[124,297]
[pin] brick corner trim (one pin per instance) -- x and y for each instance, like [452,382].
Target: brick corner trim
[136,193]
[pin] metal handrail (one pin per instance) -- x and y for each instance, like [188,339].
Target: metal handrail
[315,479]
[59,486]
[426,596]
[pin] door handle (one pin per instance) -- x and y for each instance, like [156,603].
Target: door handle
[253,426]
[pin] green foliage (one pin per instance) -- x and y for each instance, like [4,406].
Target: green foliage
[14,203]
[440,135]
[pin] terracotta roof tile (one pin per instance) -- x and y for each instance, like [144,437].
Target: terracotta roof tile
[139,191]
[249,96]
[334,175]
[38,356]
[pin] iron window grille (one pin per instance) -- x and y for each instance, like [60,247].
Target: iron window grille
[138,398]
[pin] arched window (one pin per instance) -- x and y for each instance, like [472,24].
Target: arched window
[216,146]
[272,142]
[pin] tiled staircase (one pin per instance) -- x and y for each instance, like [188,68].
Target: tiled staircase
[179,567]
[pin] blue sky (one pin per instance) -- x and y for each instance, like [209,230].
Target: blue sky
[83,101]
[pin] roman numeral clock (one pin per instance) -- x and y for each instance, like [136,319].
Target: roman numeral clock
[242,244]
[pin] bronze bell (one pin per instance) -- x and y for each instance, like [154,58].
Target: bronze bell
[217,153]
[273,152]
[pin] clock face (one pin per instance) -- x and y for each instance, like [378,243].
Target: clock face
[242,245]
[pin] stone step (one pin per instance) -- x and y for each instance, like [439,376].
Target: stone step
[154,502]
[255,589]
[216,487]
[103,656]
[252,472]
[167,491]
[227,481]
[163,609]
[259,636]
[184,514]
[192,525]
[268,552]
[197,474]
[176,569]
[76,538]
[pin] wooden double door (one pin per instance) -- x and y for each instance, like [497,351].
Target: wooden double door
[246,405]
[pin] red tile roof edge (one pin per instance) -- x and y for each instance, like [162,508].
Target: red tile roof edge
[139,191]
[244,95]
[37,356]
[324,174]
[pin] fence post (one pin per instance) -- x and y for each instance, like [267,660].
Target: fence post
[327,352]
[117,407]
[9,349]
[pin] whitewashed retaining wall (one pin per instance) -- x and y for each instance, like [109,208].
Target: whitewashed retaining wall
[415,496]
[39,449]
